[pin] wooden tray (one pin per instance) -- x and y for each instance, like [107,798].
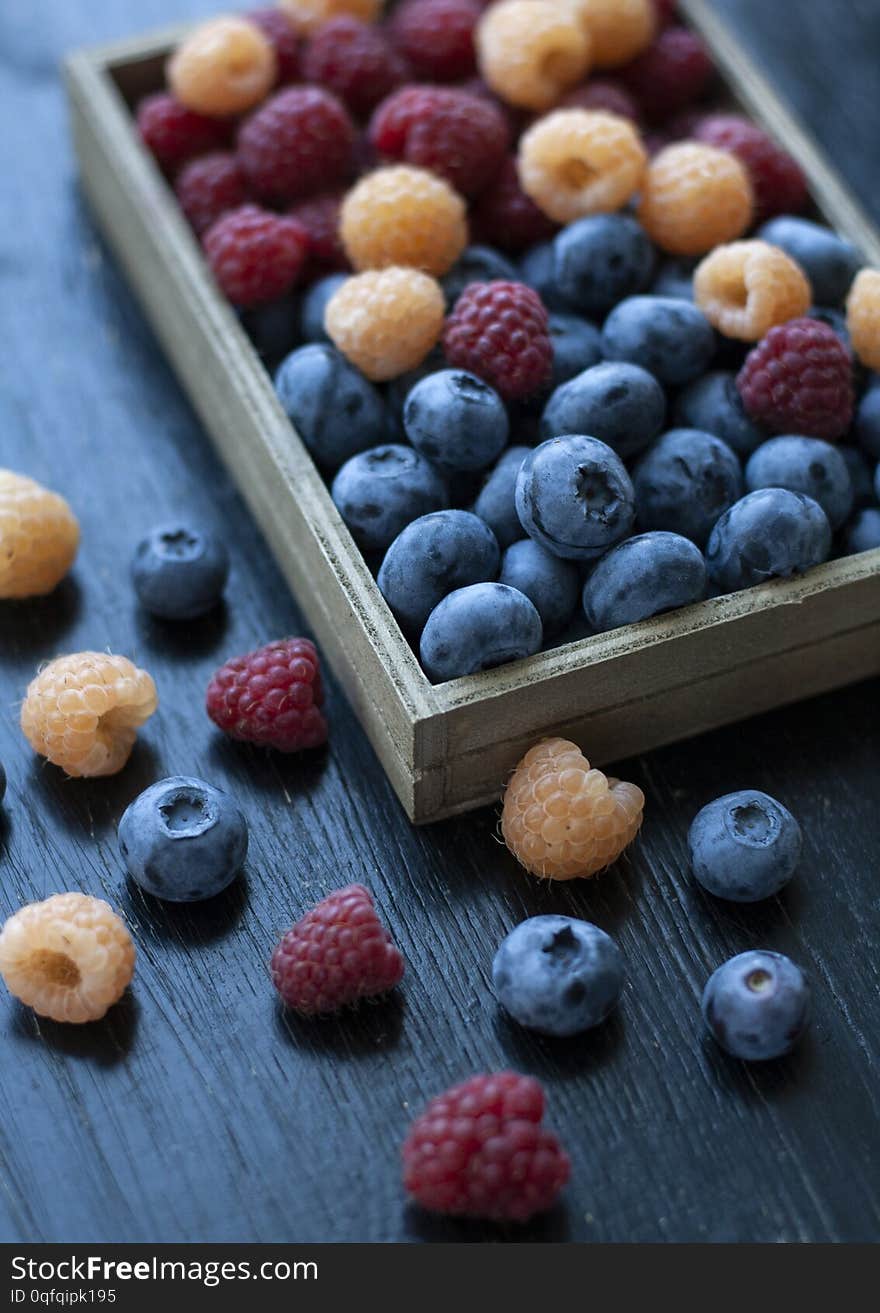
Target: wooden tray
[449,748]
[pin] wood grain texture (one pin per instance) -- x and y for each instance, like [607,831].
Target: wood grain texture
[197,1111]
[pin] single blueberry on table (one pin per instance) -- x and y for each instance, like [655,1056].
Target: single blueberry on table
[456,420]
[333,408]
[314,303]
[806,465]
[684,482]
[862,534]
[600,260]
[744,846]
[379,492]
[767,534]
[549,582]
[669,337]
[574,497]
[757,1005]
[183,840]
[644,576]
[477,264]
[829,262]
[861,476]
[713,404]
[675,278]
[537,268]
[433,556]
[558,975]
[866,428]
[496,501]
[179,572]
[577,345]
[476,628]
[621,405]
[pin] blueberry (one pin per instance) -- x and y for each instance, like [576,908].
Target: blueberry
[456,420]
[496,502]
[183,840]
[744,846]
[712,403]
[477,264]
[314,303]
[574,497]
[862,534]
[432,557]
[558,975]
[273,328]
[675,278]
[476,628]
[620,404]
[860,474]
[397,391]
[333,408]
[538,268]
[756,1006]
[644,576]
[804,465]
[548,581]
[379,492]
[866,428]
[835,320]
[600,260]
[772,532]
[577,345]
[669,337]
[829,262]
[179,572]
[684,482]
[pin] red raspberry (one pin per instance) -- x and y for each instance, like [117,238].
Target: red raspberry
[506,217]
[338,953]
[256,256]
[278,29]
[460,137]
[175,134]
[777,179]
[799,379]
[437,37]
[604,94]
[320,218]
[355,61]
[499,331]
[667,11]
[272,696]
[673,73]
[298,143]
[208,187]
[479,1150]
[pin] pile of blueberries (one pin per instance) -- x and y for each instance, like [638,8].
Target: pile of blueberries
[635,484]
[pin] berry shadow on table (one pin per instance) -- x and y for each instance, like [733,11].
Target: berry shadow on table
[37,626]
[551,1058]
[191,924]
[262,770]
[182,640]
[758,1082]
[430,1228]
[104,1043]
[374,1026]
[90,808]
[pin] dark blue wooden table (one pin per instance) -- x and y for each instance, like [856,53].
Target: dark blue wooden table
[196,1110]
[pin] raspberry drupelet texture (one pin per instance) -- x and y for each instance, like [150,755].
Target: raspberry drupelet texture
[479,1150]
[863,317]
[671,74]
[174,134]
[39,537]
[531,54]
[307,15]
[799,379]
[695,197]
[500,332]
[561,819]
[505,217]
[355,61]
[255,255]
[460,137]
[436,37]
[272,696]
[386,321]
[299,143]
[208,187]
[403,216]
[83,711]
[576,162]
[320,217]
[281,34]
[603,94]
[69,957]
[224,67]
[337,954]
[619,30]
[778,181]
[746,288]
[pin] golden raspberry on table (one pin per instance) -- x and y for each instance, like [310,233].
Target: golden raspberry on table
[561,819]
[531,52]
[619,30]
[746,288]
[863,317]
[83,711]
[576,162]
[39,537]
[386,321]
[69,957]
[224,67]
[306,15]
[403,216]
[695,197]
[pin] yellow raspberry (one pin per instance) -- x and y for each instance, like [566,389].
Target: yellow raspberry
[747,288]
[531,51]
[403,216]
[863,317]
[578,161]
[306,15]
[69,958]
[386,321]
[224,67]
[39,535]
[694,198]
[563,820]
[618,29]
[83,711]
